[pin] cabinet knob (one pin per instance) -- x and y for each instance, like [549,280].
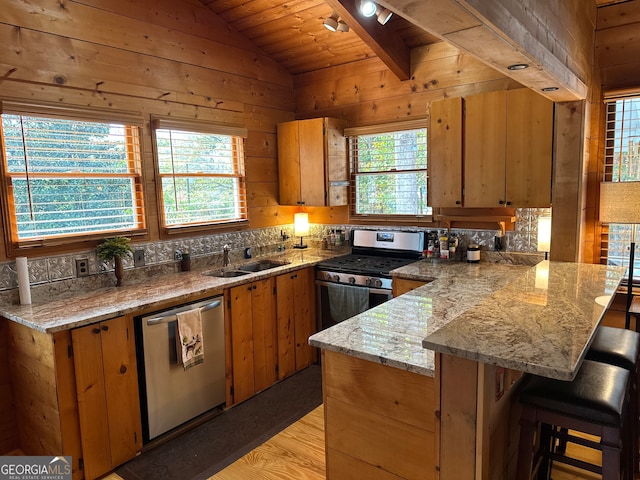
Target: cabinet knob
[508,202]
[300,202]
[458,202]
[123,369]
[501,202]
[105,328]
[96,330]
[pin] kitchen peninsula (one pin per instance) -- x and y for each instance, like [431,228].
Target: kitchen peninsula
[394,409]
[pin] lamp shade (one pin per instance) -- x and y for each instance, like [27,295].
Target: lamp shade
[301,224]
[620,202]
[544,234]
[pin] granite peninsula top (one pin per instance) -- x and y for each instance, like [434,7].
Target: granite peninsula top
[537,319]
[64,305]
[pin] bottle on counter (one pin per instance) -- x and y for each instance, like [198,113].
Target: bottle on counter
[185,263]
[429,253]
[444,245]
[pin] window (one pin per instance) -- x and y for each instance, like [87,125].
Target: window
[389,171]
[201,173]
[622,164]
[68,178]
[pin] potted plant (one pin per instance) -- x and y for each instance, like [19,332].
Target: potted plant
[115,249]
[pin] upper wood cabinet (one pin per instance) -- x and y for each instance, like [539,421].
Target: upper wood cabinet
[107,388]
[508,149]
[312,162]
[445,153]
[491,150]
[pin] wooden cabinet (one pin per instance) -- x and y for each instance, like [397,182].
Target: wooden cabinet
[508,149]
[296,321]
[252,310]
[491,150]
[445,153]
[107,389]
[312,162]
[404,285]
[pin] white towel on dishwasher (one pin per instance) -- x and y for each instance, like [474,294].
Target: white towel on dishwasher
[189,337]
[346,301]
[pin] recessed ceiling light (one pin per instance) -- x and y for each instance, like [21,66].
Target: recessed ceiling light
[331,23]
[549,89]
[518,66]
[368,8]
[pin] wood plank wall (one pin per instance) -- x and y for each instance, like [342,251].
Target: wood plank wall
[160,57]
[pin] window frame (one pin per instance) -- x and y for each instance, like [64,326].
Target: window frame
[199,126]
[608,167]
[134,125]
[387,219]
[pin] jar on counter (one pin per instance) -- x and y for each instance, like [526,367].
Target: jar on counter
[473,253]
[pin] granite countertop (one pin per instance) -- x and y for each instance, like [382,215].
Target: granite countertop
[486,312]
[62,307]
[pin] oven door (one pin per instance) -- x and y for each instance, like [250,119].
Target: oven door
[337,302]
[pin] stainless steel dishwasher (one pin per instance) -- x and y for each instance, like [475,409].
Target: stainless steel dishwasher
[169,394]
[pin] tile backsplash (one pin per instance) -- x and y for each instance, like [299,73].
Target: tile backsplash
[263,241]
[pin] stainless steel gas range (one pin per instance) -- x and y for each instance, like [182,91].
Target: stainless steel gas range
[352,283]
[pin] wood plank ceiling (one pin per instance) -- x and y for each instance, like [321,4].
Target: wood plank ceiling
[293,34]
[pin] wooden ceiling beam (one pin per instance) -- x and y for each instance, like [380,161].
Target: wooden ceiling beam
[493,33]
[388,46]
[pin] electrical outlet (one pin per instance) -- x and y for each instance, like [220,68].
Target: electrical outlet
[138,258]
[177,255]
[82,267]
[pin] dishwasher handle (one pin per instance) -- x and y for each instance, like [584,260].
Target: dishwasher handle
[172,317]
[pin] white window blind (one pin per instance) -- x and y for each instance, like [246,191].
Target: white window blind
[201,174]
[67,178]
[389,173]
[621,164]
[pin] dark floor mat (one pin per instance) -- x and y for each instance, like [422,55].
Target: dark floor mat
[207,449]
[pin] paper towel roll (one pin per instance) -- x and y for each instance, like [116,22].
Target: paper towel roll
[24,288]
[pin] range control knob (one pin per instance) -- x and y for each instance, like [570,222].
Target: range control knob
[336,278]
[352,280]
[374,282]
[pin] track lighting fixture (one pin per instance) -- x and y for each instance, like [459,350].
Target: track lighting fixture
[342,26]
[331,23]
[368,8]
[384,14]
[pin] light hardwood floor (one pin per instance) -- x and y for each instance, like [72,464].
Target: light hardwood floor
[297,453]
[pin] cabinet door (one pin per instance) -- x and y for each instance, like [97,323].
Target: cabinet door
[529,149]
[265,333]
[445,153]
[337,164]
[242,342]
[305,317]
[313,188]
[286,325]
[484,150]
[289,163]
[107,390]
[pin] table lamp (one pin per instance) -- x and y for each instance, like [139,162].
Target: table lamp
[301,227]
[544,236]
[620,203]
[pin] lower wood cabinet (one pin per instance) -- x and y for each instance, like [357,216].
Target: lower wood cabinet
[296,321]
[104,360]
[252,310]
[403,285]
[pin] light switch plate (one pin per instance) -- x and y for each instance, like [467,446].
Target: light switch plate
[138,258]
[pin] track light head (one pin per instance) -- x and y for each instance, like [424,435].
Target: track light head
[331,23]
[384,14]
[368,8]
[342,26]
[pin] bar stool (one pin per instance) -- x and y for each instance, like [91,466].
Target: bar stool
[595,402]
[621,347]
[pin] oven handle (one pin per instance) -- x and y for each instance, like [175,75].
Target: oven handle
[379,291]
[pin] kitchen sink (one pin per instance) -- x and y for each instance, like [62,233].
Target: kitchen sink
[226,273]
[262,265]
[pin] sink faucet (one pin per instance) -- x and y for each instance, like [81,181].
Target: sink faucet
[225,256]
